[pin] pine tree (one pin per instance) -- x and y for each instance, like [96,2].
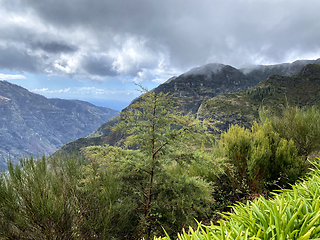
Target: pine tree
[164,142]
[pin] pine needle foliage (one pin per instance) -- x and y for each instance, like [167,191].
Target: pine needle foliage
[34,204]
[59,198]
[158,164]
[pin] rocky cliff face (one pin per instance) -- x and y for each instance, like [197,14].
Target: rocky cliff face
[31,123]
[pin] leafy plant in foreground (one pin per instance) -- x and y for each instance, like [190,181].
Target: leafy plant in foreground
[60,198]
[292,214]
[34,204]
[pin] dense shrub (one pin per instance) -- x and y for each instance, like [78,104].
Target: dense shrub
[259,158]
[292,214]
[302,125]
[57,199]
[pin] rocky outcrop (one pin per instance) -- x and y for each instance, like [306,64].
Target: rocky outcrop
[214,79]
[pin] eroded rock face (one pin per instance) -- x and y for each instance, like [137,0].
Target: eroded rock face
[31,123]
[207,82]
[212,79]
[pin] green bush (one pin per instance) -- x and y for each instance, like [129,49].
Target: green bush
[33,202]
[259,158]
[292,214]
[61,199]
[161,177]
[302,125]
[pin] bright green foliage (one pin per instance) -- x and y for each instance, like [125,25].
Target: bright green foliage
[155,124]
[235,145]
[292,214]
[177,197]
[302,125]
[162,176]
[258,157]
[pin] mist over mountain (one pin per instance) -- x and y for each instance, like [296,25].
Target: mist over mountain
[274,93]
[198,85]
[31,123]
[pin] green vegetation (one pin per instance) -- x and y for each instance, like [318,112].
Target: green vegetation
[60,200]
[156,175]
[259,158]
[273,94]
[292,214]
[167,172]
[302,125]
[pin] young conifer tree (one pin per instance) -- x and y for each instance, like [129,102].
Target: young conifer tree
[164,140]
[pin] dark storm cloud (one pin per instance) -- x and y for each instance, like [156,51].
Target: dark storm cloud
[98,65]
[149,37]
[97,14]
[14,59]
[54,47]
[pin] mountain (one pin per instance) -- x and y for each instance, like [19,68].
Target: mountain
[31,123]
[206,82]
[302,89]
[196,86]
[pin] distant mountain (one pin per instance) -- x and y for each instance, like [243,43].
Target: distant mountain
[31,123]
[198,85]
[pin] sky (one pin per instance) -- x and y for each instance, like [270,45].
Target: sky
[96,50]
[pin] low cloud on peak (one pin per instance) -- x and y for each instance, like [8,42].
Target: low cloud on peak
[148,40]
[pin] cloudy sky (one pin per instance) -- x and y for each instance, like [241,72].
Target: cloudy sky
[96,49]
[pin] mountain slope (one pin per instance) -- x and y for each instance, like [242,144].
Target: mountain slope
[214,79]
[31,123]
[241,108]
[194,87]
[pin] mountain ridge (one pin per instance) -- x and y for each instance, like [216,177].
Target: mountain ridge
[31,123]
[274,93]
[194,88]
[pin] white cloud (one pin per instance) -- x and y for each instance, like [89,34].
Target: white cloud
[11,76]
[132,54]
[92,91]
[46,90]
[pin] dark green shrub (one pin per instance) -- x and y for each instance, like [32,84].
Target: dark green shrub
[302,125]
